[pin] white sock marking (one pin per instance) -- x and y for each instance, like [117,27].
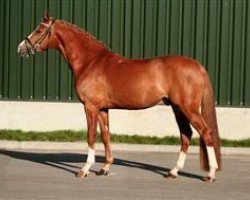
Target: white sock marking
[179,164]
[174,171]
[90,160]
[211,157]
[212,161]
[91,156]
[86,167]
[181,160]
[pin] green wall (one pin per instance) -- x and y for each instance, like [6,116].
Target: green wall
[215,32]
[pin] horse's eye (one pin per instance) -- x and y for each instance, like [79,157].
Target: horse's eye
[38,31]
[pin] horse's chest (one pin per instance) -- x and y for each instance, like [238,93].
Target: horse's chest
[90,89]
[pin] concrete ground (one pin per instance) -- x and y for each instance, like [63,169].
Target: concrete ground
[40,174]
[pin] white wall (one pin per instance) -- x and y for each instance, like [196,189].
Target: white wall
[234,123]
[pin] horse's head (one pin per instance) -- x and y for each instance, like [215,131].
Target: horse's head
[39,39]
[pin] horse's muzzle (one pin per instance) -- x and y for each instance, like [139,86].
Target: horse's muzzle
[24,50]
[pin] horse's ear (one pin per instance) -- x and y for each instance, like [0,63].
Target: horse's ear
[46,15]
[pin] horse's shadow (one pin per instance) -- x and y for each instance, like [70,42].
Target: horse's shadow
[63,161]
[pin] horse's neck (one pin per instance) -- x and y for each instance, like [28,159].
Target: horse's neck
[78,48]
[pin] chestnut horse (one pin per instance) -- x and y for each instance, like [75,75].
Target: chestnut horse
[105,80]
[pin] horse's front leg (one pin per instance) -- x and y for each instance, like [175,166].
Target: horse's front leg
[103,120]
[91,115]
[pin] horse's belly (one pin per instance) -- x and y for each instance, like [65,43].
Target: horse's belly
[138,98]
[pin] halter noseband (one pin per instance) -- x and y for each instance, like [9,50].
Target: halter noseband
[31,47]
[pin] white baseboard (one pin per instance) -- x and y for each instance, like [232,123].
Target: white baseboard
[234,123]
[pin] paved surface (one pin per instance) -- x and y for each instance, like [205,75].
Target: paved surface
[26,174]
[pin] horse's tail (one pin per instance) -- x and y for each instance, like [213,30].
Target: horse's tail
[209,115]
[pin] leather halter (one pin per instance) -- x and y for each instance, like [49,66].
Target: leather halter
[32,47]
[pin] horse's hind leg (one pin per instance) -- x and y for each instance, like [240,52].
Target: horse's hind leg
[104,125]
[205,132]
[185,134]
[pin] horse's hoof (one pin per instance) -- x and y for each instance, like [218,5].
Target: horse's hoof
[102,172]
[170,175]
[209,179]
[82,174]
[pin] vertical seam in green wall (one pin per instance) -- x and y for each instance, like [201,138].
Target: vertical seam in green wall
[180,28]
[243,54]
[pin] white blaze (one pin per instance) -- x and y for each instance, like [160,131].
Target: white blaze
[20,46]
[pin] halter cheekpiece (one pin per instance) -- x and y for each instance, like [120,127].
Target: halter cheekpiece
[31,47]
